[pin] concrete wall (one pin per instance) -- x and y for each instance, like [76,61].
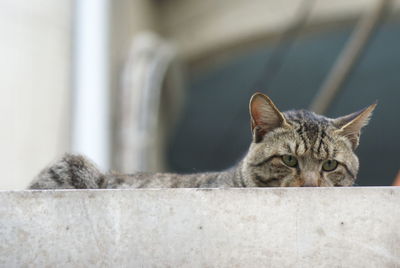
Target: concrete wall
[34,86]
[281,227]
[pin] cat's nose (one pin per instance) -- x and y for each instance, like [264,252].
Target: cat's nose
[310,179]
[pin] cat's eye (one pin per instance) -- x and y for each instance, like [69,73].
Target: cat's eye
[329,165]
[290,160]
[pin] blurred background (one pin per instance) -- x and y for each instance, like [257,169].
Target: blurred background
[164,85]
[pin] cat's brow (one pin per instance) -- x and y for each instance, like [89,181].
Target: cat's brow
[288,148]
[334,153]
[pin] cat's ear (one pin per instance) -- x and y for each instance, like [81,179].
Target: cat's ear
[264,116]
[350,125]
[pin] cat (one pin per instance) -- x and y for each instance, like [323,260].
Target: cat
[292,149]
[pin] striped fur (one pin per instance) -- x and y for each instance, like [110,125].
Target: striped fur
[310,138]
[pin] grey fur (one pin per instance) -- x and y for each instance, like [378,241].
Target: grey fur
[310,138]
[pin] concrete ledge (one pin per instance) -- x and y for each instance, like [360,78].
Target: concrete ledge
[277,227]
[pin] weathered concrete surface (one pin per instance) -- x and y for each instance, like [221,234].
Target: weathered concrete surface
[304,227]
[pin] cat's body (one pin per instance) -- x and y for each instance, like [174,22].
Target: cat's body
[296,148]
[75,171]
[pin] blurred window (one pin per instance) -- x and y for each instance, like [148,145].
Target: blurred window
[214,131]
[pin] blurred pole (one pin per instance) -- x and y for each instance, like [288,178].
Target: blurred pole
[148,104]
[349,57]
[90,103]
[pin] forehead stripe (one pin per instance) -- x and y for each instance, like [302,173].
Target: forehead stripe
[297,148]
[301,134]
[321,140]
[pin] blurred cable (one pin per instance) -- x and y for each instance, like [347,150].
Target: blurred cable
[284,44]
[274,63]
[349,57]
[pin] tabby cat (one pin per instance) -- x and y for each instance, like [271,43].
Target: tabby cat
[294,148]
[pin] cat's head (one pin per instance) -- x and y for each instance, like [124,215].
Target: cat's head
[301,148]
